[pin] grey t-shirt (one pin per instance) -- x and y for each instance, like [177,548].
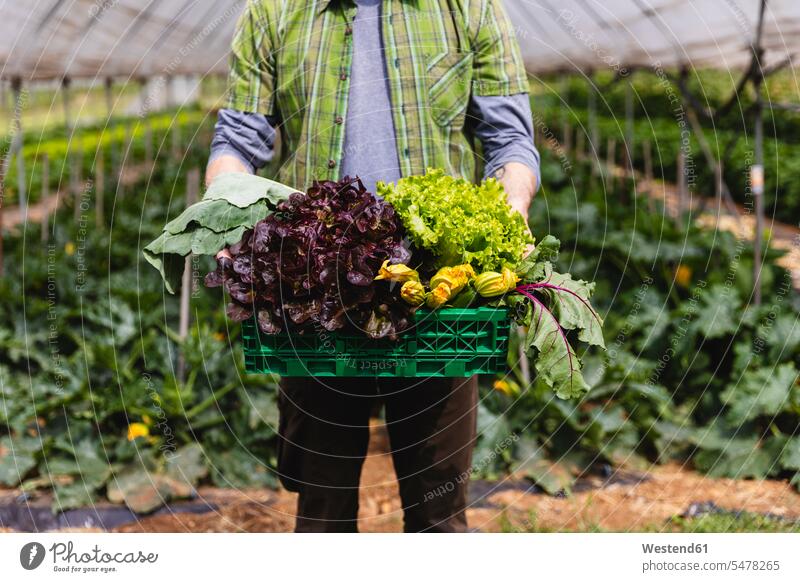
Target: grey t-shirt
[370,150]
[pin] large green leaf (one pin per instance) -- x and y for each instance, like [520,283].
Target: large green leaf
[244,190]
[736,462]
[741,457]
[263,410]
[17,457]
[218,216]
[552,476]
[93,467]
[236,467]
[233,203]
[72,496]
[208,242]
[791,454]
[139,489]
[571,307]
[761,392]
[188,464]
[719,312]
[556,362]
[532,268]
[494,441]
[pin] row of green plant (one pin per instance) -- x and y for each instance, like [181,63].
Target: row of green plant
[719,521]
[667,136]
[72,156]
[655,95]
[92,403]
[694,369]
[662,122]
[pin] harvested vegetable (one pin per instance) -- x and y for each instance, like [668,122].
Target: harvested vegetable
[557,308]
[233,203]
[334,258]
[313,263]
[438,296]
[413,293]
[397,273]
[455,278]
[494,284]
[459,222]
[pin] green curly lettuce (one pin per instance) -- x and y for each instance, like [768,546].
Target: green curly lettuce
[459,222]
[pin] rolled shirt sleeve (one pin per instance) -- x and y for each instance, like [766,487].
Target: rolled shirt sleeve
[497,68]
[251,81]
[250,137]
[504,126]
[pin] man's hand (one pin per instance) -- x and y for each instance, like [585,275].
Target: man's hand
[222,165]
[519,182]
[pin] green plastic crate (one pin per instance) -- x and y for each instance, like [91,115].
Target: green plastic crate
[443,343]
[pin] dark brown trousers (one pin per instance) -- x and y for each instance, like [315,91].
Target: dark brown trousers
[323,437]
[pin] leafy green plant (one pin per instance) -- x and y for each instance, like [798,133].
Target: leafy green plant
[458,222]
[92,404]
[692,370]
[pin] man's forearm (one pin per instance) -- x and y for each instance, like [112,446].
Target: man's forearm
[223,164]
[504,126]
[519,182]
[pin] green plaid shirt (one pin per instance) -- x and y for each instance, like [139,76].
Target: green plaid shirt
[292,58]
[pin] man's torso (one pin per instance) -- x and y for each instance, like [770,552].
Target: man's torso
[428,59]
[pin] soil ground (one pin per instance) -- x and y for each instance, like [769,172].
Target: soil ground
[646,502]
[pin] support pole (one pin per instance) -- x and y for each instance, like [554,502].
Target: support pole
[566,131]
[17,142]
[648,174]
[2,204]
[99,189]
[611,158]
[757,169]
[757,187]
[148,144]
[192,192]
[170,90]
[76,177]
[175,141]
[629,129]
[717,190]
[109,92]
[566,136]
[580,144]
[45,202]
[592,107]
[66,101]
[682,186]
[127,161]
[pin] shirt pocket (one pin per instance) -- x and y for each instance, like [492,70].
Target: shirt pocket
[449,79]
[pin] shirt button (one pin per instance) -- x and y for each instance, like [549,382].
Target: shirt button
[331,163]
[338,119]
[343,77]
[348,31]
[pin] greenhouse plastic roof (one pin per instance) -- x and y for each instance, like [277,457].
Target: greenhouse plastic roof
[47,39]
